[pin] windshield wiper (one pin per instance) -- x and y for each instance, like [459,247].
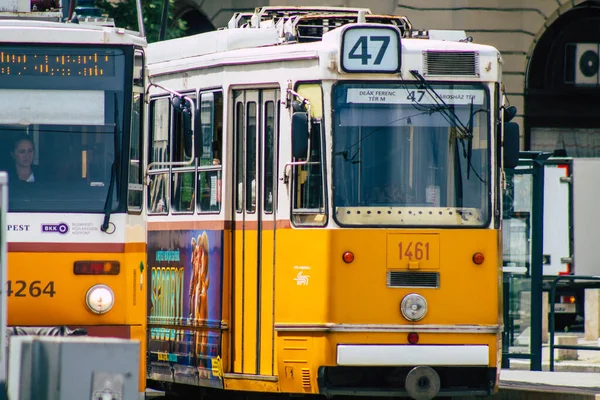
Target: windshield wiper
[470,144]
[113,171]
[466,132]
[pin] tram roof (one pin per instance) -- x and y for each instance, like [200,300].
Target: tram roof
[46,32]
[277,30]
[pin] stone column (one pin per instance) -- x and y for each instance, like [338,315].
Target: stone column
[592,314]
[545,311]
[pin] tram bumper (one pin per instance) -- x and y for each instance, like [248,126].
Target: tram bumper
[419,371]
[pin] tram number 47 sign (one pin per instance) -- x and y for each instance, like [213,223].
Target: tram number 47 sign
[373,49]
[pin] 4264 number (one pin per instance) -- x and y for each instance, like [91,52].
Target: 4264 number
[32,289]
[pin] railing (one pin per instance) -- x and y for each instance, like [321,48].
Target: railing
[551,322]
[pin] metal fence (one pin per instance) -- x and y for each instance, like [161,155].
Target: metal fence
[591,282]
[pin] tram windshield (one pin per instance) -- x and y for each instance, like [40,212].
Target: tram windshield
[61,126]
[411,155]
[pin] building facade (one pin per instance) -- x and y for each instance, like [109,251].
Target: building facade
[550,50]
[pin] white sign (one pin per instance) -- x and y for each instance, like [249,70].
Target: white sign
[300,278]
[51,107]
[416,96]
[373,49]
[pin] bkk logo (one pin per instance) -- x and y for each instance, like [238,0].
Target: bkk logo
[61,228]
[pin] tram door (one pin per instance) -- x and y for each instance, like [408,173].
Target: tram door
[254,221]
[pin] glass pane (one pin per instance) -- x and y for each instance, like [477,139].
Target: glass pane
[209,144]
[60,168]
[159,131]
[400,158]
[239,173]
[183,191]
[60,120]
[135,190]
[251,157]
[269,155]
[308,201]
[209,191]
[158,201]
[518,325]
[516,241]
[516,224]
[309,178]
[204,141]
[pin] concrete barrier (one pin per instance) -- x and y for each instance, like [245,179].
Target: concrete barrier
[592,314]
[566,354]
[545,311]
[543,385]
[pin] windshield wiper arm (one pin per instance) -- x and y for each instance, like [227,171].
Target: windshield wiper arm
[470,144]
[451,117]
[113,171]
[465,131]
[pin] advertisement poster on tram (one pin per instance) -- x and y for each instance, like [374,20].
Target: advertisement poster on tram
[184,303]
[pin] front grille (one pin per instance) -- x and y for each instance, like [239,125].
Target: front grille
[464,63]
[401,279]
[306,378]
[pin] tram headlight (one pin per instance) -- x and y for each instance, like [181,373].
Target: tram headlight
[413,307]
[100,299]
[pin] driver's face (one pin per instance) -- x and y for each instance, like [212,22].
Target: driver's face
[23,154]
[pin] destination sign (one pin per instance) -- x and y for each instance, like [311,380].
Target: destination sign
[415,96]
[55,62]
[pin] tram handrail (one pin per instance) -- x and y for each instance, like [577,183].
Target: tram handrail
[551,322]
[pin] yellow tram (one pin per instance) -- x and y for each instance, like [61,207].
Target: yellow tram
[324,207]
[71,131]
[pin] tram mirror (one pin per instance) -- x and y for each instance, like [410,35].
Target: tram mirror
[509,113]
[300,135]
[177,103]
[298,106]
[188,133]
[184,106]
[511,144]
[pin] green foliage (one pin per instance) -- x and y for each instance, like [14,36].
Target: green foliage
[125,15]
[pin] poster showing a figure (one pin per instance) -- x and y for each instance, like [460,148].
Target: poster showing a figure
[184,305]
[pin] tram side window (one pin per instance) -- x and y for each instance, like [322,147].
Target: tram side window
[308,195]
[308,200]
[209,139]
[135,190]
[183,178]
[251,127]
[135,187]
[271,123]
[239,171]
[158,196]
